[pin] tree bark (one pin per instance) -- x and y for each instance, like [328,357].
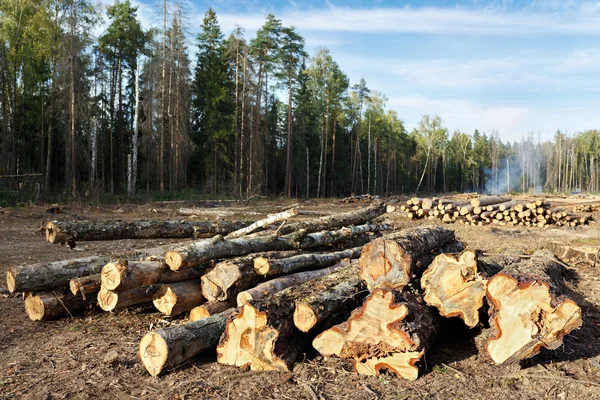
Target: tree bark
[271,219]
[489,200]
[170,347]
[121,275]
[526,312]
[85,285]
[176,298]
[269,268]
[110,301]
[52,305]
[69,232]
[392,330]
[334,221]
[210,308]
[269,288]
[321,299]
[391,261]
[200,252]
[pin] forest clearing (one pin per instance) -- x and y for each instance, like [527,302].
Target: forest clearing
[209,308]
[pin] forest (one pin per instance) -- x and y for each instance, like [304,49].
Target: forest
[93,104]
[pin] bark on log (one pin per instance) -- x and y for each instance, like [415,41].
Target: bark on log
[335,221]
[56,274]
[121,275]
[455,287]
[488,200]
[210,308]
[56,304]
[168,348]
[269,288]
[110,301]
[526,313]
[51,275]
[85,285]
[200,252]
[392,330]
[268,268]
[229,277]
[176,298]
[320,300]
[262,336]
[65,232]
[391,261]
[271,219]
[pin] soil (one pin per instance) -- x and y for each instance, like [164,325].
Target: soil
[95,355]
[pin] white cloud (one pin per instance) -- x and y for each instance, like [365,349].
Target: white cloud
[582,20]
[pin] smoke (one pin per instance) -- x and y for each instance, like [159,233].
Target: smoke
[510,176]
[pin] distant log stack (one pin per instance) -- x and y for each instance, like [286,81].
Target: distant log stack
[497,210]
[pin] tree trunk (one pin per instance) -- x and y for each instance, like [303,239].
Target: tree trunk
[53,305]
[85,285]
[110,301]
[334,221]
[176,298]
[134,140]
[170,347]
[269,288]
[322,299]
[51,275]
[262,336]
[269,267]
[455,287]
[229,277]
[121,275]
[271,219]
[210,308]
[526,313]
[391,261]
[200,252]
[392,330]
[69,232]
[489,200]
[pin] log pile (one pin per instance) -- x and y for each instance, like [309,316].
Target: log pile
[261,301]
[497,210]
[363,198]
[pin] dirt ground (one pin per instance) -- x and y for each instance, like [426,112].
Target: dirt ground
[64,359]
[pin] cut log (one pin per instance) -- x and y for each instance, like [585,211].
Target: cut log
[269,268]
[488,200]
[262,336]
[335,221]
[51,275]
[391,261]
[55,304]
[526,313]
[210,308]
[455,287]
[319,300]
[269,288]
[110,301]
[229,277]
[65,232]
[589,255]
[200,252]
[57,274]
[168,348]
[121,275]
[176,298]
[271,219]
[85,285]
[392,330]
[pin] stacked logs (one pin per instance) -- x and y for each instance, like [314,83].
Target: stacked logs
[208,273]
[498,210]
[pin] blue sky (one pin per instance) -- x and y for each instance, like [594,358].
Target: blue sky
[511,66]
